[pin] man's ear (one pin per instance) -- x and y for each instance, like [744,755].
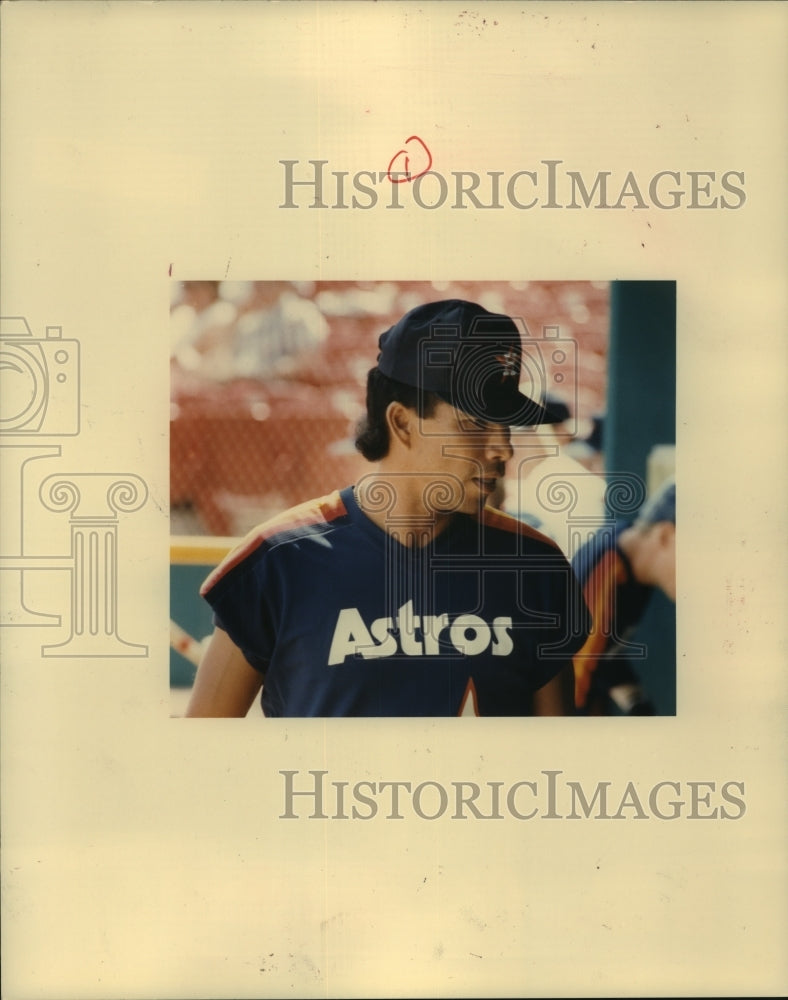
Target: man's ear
[400,423]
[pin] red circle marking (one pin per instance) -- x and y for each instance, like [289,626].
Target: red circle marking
[408,156]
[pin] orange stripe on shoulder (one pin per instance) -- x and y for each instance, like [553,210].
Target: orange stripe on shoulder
[506,522]
[321,511]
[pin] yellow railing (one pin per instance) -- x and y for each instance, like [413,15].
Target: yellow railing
[199,550]
[195,550]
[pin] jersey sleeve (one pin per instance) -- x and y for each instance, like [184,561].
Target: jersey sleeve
[242,593]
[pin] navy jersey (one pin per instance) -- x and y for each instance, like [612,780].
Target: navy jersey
[344,620]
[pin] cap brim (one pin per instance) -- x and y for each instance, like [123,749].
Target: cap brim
[513,409]
[520,412]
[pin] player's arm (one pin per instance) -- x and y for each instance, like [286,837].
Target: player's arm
[225,685]
[557,697]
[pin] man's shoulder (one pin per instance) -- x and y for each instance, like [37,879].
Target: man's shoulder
[309,519]
[507,527]
[303,519]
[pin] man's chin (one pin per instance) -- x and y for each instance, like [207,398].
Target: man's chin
[475,501]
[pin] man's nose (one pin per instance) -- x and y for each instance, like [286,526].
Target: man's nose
[499,443]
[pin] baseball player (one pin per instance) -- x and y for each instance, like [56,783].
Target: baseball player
[619,571]
[406,594]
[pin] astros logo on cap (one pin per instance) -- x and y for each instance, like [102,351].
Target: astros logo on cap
[509,364]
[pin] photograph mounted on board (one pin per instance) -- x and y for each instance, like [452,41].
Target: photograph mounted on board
[422,499]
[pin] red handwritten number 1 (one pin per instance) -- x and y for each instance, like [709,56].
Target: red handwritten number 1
[422,155]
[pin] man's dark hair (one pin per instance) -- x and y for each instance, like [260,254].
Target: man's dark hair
[372,436]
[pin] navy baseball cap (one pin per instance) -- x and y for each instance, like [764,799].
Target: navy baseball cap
[469,357]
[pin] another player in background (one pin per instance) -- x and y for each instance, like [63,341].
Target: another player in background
[619,571]
[406,595]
